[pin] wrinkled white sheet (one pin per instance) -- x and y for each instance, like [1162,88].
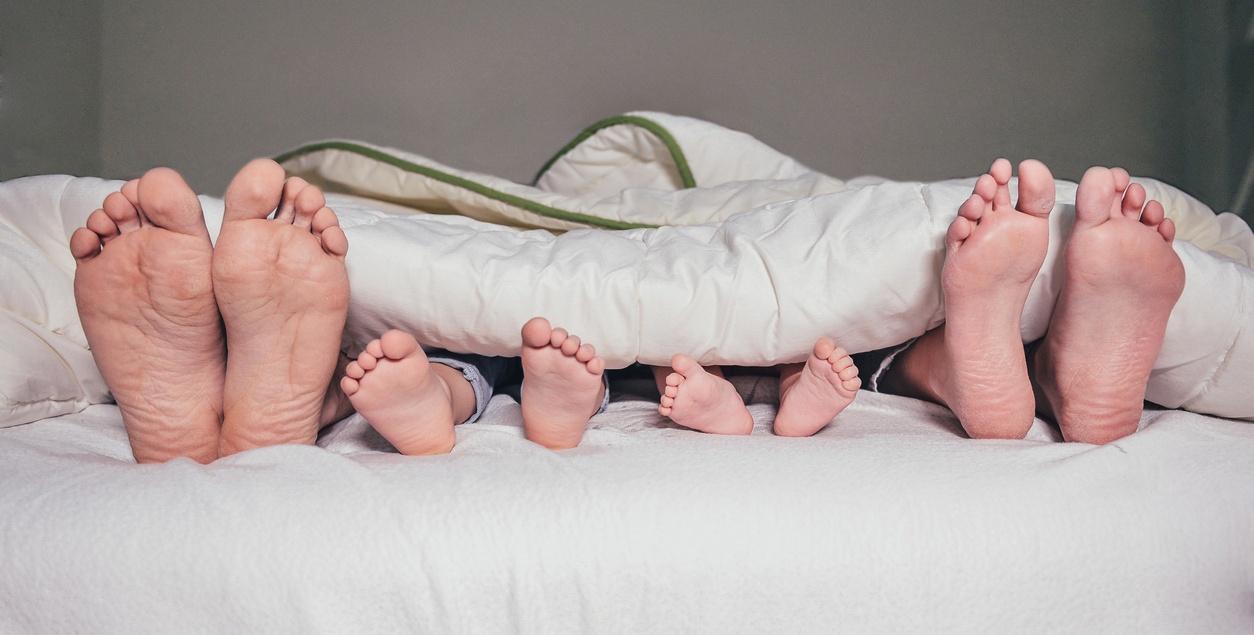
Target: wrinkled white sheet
[889,520]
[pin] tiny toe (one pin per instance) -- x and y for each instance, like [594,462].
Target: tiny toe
[596,366]
[823,347]
[367,361]
[851,384]
[349,386]
[334,241]
[558,337]
[536,333]
[396,344]
[665,411]
[354,370]
[586,353]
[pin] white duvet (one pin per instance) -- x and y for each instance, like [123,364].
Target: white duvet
[759,257]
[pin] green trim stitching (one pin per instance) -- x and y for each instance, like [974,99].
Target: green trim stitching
[677,153]
[457,181]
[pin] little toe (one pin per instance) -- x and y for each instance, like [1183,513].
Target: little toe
[349,385]
[1167,229]
[84,243]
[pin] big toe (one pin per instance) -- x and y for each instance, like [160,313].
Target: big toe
[255,191]
[168,202]
[1036,188]
[1095,196]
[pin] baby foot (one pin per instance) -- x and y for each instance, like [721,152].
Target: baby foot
[392,385]
[283,293]
[562,386]
[811,398]
[993,254]
[1121,281]
[697,399]
[145,298]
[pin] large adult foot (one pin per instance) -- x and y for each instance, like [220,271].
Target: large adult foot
[405,398]
[697,399]
[283,293]
[562,385]
[145,297]
[1121,281]
[811,398]
[974,363]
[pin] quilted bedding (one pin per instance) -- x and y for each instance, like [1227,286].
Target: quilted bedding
[649,234]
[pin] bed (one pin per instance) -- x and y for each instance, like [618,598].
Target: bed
[889,519]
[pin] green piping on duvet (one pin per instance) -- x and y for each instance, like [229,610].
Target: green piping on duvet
[457,181]
[677,153]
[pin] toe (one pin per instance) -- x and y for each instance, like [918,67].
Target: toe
[366,361]
[1133,201]
[308,203]
[397,344]
[84,243]
[571,346]
[1036,189]
[104,227]
[536,332]
[1095,196]
[684,365]
[349,386]
[1167,229]
[354,370]
[586,353]
[374,348]
[985,188]
[255,191]
[123,213]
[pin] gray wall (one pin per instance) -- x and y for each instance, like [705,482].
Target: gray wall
[49,87]
[911,89]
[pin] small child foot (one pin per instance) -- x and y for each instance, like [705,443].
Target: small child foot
[811,398]
[392,385]
[697,399]
[562,385]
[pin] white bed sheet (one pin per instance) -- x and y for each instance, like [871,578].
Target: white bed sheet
[889,520]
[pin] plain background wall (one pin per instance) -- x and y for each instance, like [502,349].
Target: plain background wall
[908,89]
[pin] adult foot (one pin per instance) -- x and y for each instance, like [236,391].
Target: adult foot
[562,385]
[283,292]
[145,298]
[1122,279]
[974,363]
[392,385]
[811,398]
[697,399]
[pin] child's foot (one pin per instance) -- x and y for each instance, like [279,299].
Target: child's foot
[811,398]
[392,385]
[993,253]
[283,293]
[1122,279]
[145,297]
[562,386]
[697,399]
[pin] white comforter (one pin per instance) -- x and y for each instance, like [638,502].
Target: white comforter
[764,257]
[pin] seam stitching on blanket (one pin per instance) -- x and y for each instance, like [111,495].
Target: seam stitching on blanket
[457,181]
[677,153]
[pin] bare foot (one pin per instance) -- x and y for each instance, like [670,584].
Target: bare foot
[974,363]
[811,398]
[283,293]
[562,386]
[697,399]
[145,297]
[394,387]
[1121,281]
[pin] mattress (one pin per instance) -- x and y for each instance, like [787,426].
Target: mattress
[889,520]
